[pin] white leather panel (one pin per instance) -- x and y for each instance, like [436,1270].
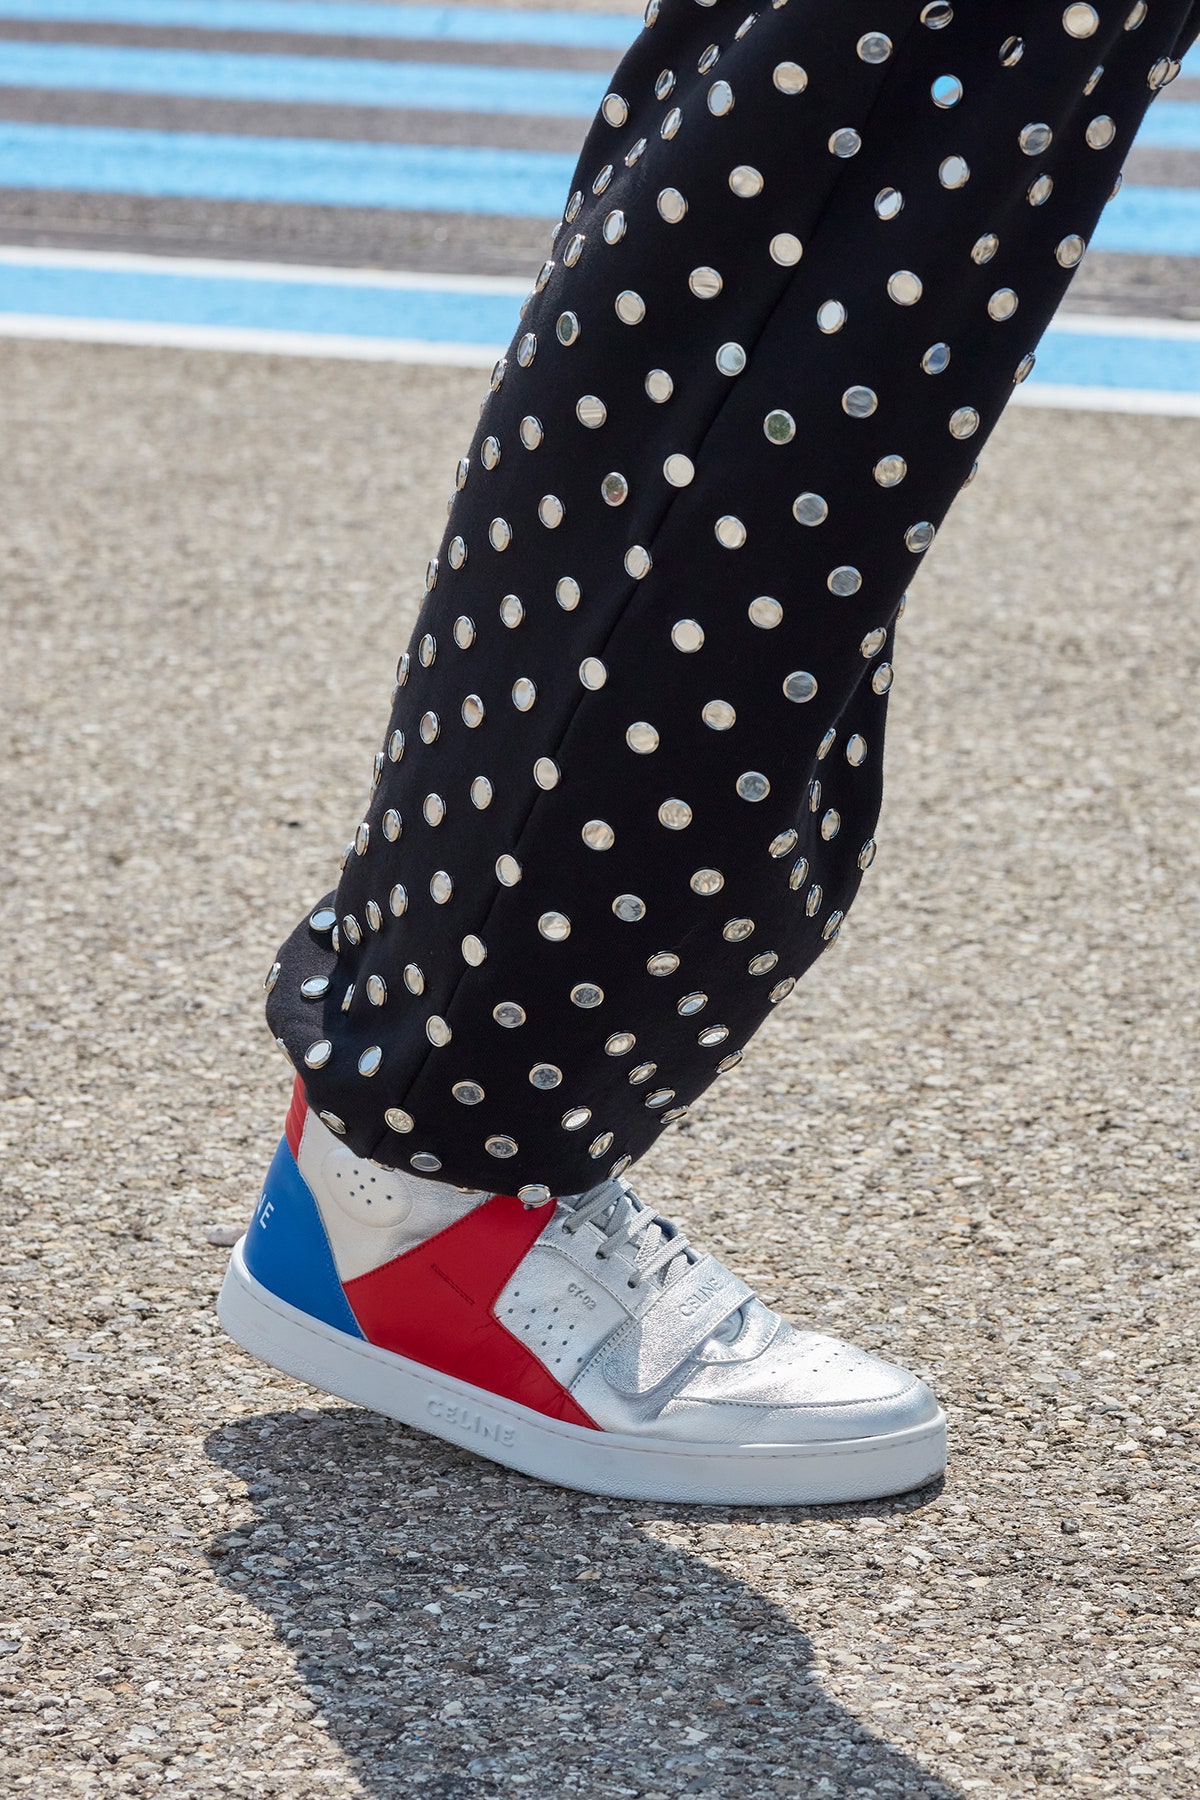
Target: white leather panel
[372,1214]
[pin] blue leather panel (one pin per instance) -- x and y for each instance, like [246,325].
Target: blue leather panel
[287,1250]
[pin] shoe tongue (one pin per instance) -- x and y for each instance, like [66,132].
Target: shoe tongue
[625,1205]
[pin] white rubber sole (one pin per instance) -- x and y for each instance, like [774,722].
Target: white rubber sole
[572,1456]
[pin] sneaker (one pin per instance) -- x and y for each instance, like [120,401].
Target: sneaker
[582,1341]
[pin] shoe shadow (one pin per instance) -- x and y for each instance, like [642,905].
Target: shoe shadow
[465,1631]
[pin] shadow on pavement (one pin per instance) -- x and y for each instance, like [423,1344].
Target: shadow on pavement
[466,1632]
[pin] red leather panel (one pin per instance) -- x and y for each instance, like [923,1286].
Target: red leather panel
[294,1123]
[434,1304]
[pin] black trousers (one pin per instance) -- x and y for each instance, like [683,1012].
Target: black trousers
[633,767]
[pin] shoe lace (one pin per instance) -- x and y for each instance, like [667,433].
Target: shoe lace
[623,1219]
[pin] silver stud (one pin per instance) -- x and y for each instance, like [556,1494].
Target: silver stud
[1136,16]
[545,1076]
[508,870]
[890,471]
[859,402]
[398,901]
[720,99]
[1093,80]
[630,307]
[763,963]
[425,1162]
[746,182]
[1101,132]
[573,206]
[1069,251]
[430,727]
[1040,190]
[753,785]
[810,509]
[496,378]
[918,537]
[954,172]
[844,581]
[874,641]
[467,1093]
[614,110]
[524,693]
[706,881]
[780,846]
[719,715]
[352,929]
[831,316]
[434,809]
[782,989]
[789,78]
[730,359]
[376,990]
[833,925]
[889,203]
[634,154]
[489,452]
[481,792]
[414,980]
[964,422]
[711,1035]
[1011,51]
[567,592]
[659,386]
[866,855]
[593,673]
[1003,304]
[779,427]
[441,887]
[687,635]
[729,1062]
[551,511]
[474,950]
[526,351]
[676,815]
[679,470]
[391,825]
[598,834]
[555,927]
[396,1119]
[509,1013]
[464,637]
[937,14]
[613,228]
[660,1097]
[546,773]
[629,908]
[1080,21]
[764,612]
[705,282]
[831,824]
[511,611]
[664,84]
[566,328]
[799,686]
[671,205]
[826,744]
[730,532]
[874,47]
[671,124]
[370,1060]
[642,1073]
[936,359]
[883,677]
[587,995]
[638,562]
[591,411]
[663,962]
[599,1146]
[904,287]
[798,874]
[500,1145]
[456,556]
[786,249]
[531,437]
[576,1117]
[614,488]
[736,931]
[395,748]
[427,649]
[314,988]
[362,838]
[947,91]
[691,1003]
[642,737]
[812,904]
[1035,139]
[845,142]
[318,1054]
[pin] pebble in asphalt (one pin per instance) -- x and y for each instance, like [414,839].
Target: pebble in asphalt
[968,1140]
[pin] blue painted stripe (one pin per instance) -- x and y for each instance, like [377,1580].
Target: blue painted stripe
[1172,125]
[308,171]
[1077,359]
[320,80]
[1151,221]
[434,316]
[452,25]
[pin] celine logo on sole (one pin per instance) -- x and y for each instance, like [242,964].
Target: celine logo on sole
[470,1421]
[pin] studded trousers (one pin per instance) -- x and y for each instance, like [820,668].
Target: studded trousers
[631,776]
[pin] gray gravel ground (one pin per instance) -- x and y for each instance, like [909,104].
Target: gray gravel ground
[968,1140]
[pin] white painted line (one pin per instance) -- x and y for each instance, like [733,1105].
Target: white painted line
[1125,325]
[154,335]
[1108,399]
[21,256]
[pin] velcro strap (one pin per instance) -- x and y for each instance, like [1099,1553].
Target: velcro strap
[689,1310]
